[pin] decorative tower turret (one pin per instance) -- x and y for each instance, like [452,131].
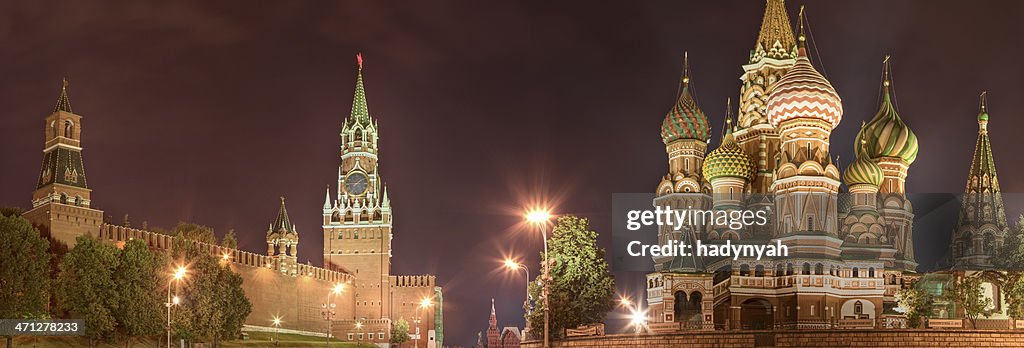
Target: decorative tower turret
[357,225]
[773,55]
[283,242]
[61,203]
[982,225]
[493,335]
[886,140]
[805,108]
[730,171]
[685,131]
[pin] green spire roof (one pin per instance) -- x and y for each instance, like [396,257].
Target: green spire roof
[983,114]
[63,102]
[282,223]
[359,110]
[728,160]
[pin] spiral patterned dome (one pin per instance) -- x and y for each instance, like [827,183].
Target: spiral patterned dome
[803,93]
[685,120]
[728,160]
[886,135]
[863,171]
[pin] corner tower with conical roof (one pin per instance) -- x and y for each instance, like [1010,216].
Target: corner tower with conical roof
[982,224]
[61,202]
[283,242]
[773,55]
[357,222]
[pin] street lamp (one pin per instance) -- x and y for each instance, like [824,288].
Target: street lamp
[277,330]
[637,317]
[176,276]
[424,303]
[515,266]
[540,217]
[327,309]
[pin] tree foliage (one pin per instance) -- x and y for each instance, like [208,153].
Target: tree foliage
[581,288]
[139,281]
[917,304]
[25,274]
[230,240]
[400,331]
[194,232]
[85,286]
[968,293]
[213,304]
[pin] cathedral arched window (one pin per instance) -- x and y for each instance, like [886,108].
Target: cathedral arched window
[355,235]
[871,272]
[819,269]
[744,270]
[856,272]
[69,129]
[858,308]
[806,270]
[989,244]
[789,269]
[779,270]
[759,271]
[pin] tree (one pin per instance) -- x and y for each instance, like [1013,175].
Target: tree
[229,241]
[581,287]
[25,274]
[213,304]
[138,281]
[11,211]
[967,292]
[194,232]
[917,304]
[1010,259]
[400,332]
[85,286]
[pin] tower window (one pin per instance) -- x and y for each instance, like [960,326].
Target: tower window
[810,223]
[856,272]
[858,308]
[69,128]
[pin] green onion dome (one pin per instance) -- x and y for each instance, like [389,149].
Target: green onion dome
[886,135]
[803,93]
[863,171]
[728,160]
[685,120]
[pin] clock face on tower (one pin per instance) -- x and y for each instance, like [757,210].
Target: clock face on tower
[355,183]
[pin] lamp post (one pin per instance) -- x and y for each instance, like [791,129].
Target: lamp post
[540,217]
[515,265]
[424,303]
[359,327]
[178,275]
[327,309]
[277,330]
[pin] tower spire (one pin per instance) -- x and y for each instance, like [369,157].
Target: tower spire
[360,111]
[776,37]
[686,70]
[801,43]
[983,113]
[63,102]
[886,81]
[982,202]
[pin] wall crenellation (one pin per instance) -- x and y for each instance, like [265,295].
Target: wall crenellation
[115,233]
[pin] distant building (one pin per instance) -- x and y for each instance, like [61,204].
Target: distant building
[508,337]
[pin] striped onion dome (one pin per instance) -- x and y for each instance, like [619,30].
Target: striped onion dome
[685,120]
[728,160]
[804,93]
[886,135]
[863,171]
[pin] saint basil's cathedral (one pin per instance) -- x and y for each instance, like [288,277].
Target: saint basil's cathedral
[850,247]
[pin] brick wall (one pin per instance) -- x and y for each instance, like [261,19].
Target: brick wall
[804,338]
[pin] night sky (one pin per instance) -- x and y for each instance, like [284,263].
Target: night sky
[207,112]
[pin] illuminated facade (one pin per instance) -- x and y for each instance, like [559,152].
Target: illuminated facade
[849,253]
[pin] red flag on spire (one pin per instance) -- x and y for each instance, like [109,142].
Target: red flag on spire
[359,59]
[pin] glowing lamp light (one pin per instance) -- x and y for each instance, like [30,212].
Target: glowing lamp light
[180,273]
[359,325]
[176,300]
[625,301]
[538,216]
[425,302]
[511,264]
[277,321]
[339,288]
[226,257]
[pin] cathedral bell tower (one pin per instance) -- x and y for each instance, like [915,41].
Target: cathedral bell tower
[62,199]
[357,222]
